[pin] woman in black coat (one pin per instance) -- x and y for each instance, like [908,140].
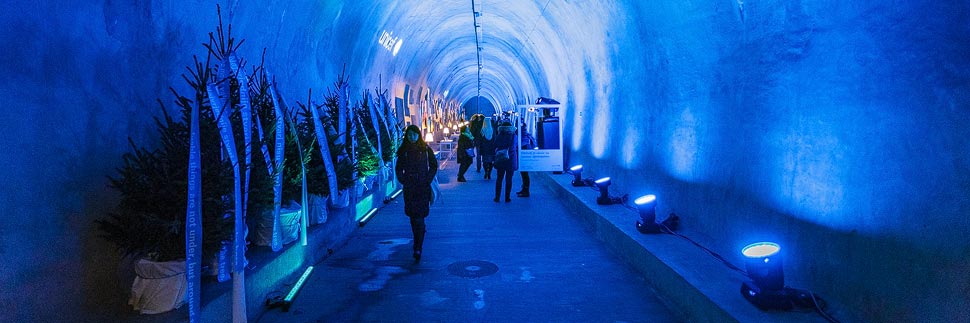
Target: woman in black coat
[416,167]
[487,147]
[505,167]
[475,124]
[465,141]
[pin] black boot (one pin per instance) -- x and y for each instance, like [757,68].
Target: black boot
[418,228]
[461,171]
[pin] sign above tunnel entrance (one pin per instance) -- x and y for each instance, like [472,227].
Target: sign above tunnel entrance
[389,42]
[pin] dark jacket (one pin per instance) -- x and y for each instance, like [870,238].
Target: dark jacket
[528,141]
[464,142]
[416,167]
[506,140]
[487,149]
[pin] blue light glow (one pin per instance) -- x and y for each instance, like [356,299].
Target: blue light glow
[602,121]
[577,168]
[630,154]
[299,283]
[761,250]
[580,130]
[683,147]
[808,172]
[643,200]
[364,206]
[602,182]
[367,216]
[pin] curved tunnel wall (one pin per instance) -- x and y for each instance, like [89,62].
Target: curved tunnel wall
[836,128]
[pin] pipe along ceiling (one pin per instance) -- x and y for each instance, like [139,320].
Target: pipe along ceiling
[527,48]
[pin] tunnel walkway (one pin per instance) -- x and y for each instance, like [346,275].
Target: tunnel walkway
[523,261]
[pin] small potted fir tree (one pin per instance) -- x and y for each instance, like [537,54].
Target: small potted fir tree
[149,224]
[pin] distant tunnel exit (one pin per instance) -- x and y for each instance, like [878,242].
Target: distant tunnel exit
[478,105]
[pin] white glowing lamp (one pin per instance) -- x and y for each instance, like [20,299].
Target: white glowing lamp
[577,172]
[604,185]
[763,262]
[647,208]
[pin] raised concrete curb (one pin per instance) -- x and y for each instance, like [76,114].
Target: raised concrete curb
[697,287]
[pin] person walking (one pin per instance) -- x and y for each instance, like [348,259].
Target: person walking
[416,168]
[528,142]
[476,123]
[466,152]
[505,160]
[487,147]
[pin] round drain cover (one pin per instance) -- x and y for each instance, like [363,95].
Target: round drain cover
[472,268]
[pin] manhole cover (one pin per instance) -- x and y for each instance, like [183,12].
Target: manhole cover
[472,268]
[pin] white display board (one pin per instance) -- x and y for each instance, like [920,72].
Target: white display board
[538,120]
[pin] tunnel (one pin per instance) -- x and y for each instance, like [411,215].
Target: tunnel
[836,129]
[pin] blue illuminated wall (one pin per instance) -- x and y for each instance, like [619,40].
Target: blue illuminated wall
[837,128]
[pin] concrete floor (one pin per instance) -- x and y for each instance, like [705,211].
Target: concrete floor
[547,267]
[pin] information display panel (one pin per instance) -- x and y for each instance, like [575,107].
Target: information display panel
[543,123]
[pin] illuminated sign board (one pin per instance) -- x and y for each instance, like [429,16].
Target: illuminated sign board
[391,43]
[543,123]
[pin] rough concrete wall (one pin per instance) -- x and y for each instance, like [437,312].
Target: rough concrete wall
[834,128]
[81,79]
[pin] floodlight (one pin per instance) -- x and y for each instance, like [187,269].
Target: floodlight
[604,185]
[577,172]
[287,301]
[647,208]
[367,216]
[763,262]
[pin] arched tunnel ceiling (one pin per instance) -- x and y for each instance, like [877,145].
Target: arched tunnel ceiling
[529,48]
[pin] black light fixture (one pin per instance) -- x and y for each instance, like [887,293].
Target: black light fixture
[766,290]
[604,186]
[287,301]
[647,208]
[647,223]
[577,172]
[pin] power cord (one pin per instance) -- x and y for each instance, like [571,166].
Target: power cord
[270,303]
[611,199]
[799,298]
[274,301]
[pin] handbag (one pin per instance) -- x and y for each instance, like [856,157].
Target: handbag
[435,190]
[501,155]
[470,152]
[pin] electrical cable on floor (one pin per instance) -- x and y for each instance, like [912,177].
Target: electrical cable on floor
[270,303]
